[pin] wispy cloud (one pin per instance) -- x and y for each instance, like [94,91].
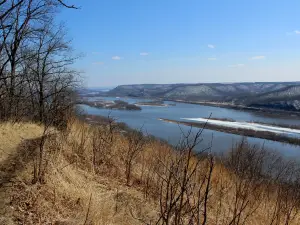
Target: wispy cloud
[236,65]
[98,63]
[258,57]
[116,57]
[211,46]
[297,32]
[212,58]
[144,53]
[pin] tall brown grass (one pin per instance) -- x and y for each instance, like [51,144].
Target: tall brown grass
[99,174]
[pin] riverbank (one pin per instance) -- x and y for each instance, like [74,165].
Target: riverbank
[268,135]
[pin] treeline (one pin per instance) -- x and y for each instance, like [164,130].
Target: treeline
[37,80]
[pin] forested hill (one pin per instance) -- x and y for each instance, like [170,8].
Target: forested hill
[281,95]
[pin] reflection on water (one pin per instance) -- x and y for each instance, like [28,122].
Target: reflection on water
[148,118]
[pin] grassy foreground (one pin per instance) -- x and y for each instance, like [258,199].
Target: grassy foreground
[102,175]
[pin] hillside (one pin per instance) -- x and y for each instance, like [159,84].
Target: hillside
[284,98]
[280,95]
[87,180]
[72,192]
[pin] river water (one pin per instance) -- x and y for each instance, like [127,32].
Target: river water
[148,119]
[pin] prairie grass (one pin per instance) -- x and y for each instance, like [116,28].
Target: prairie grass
[87,182]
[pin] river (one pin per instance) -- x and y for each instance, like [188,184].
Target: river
[148,119]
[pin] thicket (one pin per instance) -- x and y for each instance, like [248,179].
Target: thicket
[37,81]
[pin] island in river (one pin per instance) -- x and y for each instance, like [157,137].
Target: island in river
[116,104]
[249,129]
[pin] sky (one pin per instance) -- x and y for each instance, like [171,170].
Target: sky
[185,41]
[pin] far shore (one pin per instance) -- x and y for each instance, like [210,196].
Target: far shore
[267,111]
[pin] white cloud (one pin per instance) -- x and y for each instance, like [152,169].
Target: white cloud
[98,63]
[116,57]
[144,53]
[211,46]
[212,59]
[236,65]
[297,32]
[258,57]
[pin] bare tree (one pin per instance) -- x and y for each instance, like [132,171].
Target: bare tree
[36,78]
[50,80]
[136,142]
[22,23]
[103,139]
[185,183]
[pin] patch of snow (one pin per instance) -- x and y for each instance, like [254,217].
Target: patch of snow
[249,126]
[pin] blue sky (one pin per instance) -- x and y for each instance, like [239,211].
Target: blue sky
[185,41]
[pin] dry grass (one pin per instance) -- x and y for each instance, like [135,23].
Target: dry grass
[77,192]
[11,135]
[70,182]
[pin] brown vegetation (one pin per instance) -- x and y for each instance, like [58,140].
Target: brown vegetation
[56,169]
[95,174]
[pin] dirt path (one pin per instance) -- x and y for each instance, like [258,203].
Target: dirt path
[16,163]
